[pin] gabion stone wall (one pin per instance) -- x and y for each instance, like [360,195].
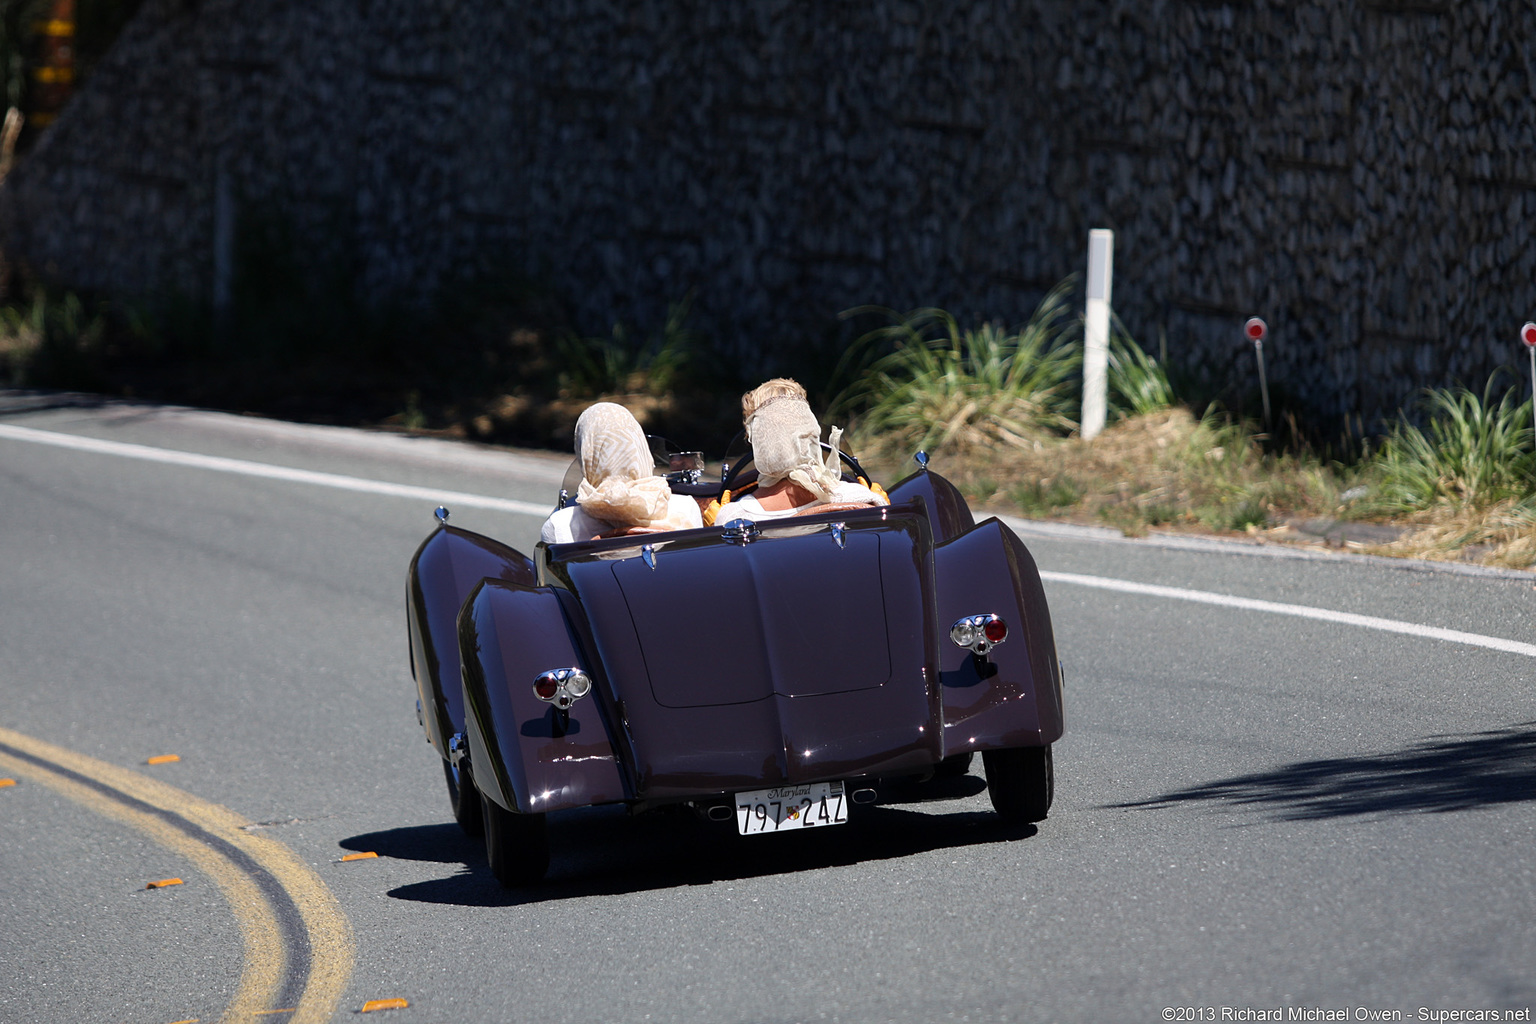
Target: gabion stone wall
[1359,172]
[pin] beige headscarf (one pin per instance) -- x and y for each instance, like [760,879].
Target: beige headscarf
[618,486]
[786,446]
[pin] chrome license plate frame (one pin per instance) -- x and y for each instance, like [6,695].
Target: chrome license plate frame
[783,808]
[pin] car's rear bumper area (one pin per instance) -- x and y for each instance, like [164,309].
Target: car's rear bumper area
[884,730]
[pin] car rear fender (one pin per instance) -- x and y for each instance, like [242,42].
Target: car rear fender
[948,514]
[1013,697]
[446,567]
[525,755]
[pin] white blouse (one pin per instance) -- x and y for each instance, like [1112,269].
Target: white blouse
[748,507]
[572,524]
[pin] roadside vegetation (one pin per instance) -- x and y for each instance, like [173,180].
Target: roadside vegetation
[1454,478]
[1156,464]
[1465,484]
[498,361]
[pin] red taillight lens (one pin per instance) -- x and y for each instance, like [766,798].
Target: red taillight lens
[562,687]
[979,633]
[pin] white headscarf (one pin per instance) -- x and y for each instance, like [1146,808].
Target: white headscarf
[618,486]
[786,445]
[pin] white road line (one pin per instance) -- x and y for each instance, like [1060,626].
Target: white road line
[1031,528]
[1299,610]
[351,483]
[219,464]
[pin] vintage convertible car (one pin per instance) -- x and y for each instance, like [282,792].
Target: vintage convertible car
[774,674]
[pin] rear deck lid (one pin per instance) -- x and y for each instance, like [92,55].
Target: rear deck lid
[800,611]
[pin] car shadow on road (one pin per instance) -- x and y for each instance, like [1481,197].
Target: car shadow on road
[604,851]
[1438,774]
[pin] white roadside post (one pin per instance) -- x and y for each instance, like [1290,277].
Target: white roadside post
[1101,250]
[1528,336]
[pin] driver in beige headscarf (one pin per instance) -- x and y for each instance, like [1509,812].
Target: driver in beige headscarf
[793,474]
[618,492]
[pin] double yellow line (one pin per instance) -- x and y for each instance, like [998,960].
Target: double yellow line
[298,943]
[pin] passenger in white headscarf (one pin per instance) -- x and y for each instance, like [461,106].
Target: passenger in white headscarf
[793,474]
[618,491]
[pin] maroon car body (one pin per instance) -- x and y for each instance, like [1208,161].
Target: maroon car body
[806,650]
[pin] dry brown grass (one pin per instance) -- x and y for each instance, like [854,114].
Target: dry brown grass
[1165,469]
[1170,471]
[1503,535]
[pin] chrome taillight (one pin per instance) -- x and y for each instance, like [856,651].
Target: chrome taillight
[562,687]
[980,633]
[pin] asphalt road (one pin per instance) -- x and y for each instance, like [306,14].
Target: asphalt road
[1253,810]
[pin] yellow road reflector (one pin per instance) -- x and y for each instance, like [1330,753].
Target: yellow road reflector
[162,883]
[57,28]
[7,782]
[360,856]
[384,1004]
[164,759]
[189,1020]
[53,75]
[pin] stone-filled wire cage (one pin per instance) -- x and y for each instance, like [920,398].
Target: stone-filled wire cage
[1358,172]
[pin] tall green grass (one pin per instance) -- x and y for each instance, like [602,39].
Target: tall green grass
[1138,383]
[940,386]
[52,339]
[1474,452]
[922,381]
[625,364]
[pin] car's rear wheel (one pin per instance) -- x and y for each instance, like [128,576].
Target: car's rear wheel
[517,845]
[465,800]
[1021,782]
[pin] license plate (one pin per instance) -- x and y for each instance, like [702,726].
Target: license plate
[775,810]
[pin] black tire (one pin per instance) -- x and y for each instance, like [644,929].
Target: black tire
[464,798]
[954,767]
[517,845]
[1021,782]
